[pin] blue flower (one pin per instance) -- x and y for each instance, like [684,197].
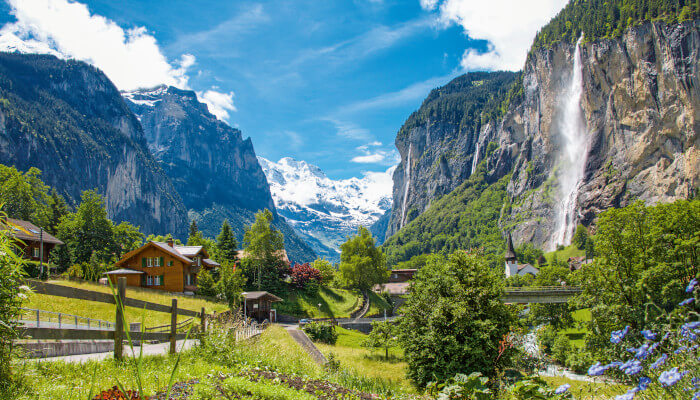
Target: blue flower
[648,335]
[687,302]
[695,382]
[671,377]
[631,367]
[562,389]
[627,396]
[696,396]
[642,352]
[644,383]
[690,325]
[659,362]
[617,336]
[680,350]
[597,369]
[691,286]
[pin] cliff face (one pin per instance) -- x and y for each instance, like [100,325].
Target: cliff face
[67,119]
[624,127]
[213,168]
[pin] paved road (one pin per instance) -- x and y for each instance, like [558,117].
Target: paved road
[300,337]
[148,349]
[55,325]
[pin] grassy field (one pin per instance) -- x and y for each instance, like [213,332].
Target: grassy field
[335,303]
[366,362]
[587,390]
[563,255]
[576,333]
[104,311]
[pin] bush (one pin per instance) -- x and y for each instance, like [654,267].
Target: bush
[318,332]
[305,277]
[561,348]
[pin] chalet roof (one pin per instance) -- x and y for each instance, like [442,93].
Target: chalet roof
[523,266]
[123,271]
[211,262]
[27,232]
[160,245]
[510,251]
[404,270]
[187,251]
[261,295]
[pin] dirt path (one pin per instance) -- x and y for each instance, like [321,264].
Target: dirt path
[300,337]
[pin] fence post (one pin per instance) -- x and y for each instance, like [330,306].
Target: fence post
[173,327]
[119,319]
[37,318]
[59,320]
[204,321]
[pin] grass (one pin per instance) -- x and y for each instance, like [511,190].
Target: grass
[361,361]
[377,305]
[106,312]
[563,255]
[335,303]
[587,390]
[578,331]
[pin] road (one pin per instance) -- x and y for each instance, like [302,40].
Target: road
[148,349]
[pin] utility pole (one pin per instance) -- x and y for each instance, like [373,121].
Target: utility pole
[41,253]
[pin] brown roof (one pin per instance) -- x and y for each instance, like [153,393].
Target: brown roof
[260,295]
[162,246]
[123,271]
[510,251]
[27,232]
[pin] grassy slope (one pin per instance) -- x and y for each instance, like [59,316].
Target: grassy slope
[577,333]
[335,303]
[587,390]
[365,362]
[563,255]
[106,312]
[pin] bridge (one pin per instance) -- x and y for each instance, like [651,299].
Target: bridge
[542,294]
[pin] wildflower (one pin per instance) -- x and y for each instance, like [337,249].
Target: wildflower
[690,325]
[644,383]
[627,396]
[22,296]
[696,396]
[617,336]
[648,335]
[631,367]
[680,350]
[691,286]
[597,369]
[25,288]
[695,382]
[687,302]
[659,361]
[562,389]
[671,377]
[642,352]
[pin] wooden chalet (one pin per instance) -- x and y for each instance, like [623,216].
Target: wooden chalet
[258,305]
[33,242]
[163,266]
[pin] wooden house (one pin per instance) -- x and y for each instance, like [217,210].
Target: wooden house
[163,266]
[32,241]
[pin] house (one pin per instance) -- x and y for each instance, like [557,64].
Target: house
[401,275]
[34,243]
[575,263]
[163,266]
[258,305]
[512,266]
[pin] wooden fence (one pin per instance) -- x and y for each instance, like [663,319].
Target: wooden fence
[118,333]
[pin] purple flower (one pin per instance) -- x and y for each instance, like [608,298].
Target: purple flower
[644,383]
[659,362]
[691,286]
[631,367]
[562,389]
[648,335]
[690,325]
[696,396]
[680,350]
[627,396]
[642,352]
[687,302]
[597,369]
[617,336]
[695,382]
[671,377]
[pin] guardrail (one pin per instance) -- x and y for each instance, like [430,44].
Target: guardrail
[38,317]
[117,333]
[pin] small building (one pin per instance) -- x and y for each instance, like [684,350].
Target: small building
[512,266]
[576,263]
[401,275]
[258,305]
[163,266]
[32,241]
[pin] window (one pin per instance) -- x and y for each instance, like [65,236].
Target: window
[189,279]
[35,252]
[155,280]
[152,262]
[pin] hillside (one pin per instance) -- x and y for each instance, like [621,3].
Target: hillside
[78,145]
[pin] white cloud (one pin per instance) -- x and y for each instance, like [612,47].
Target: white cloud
[219,103]
[131,58]
[375,155]
[508,25]
[349,129]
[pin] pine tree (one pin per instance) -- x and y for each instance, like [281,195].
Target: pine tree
[226,244]
[193,229]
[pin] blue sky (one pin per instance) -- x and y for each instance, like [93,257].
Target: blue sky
[329,82]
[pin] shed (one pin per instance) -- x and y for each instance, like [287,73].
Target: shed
[258,305]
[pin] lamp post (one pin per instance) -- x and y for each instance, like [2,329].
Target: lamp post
[245,307]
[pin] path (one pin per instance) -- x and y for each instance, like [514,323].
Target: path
[300,337]
[148,350]
[365,307]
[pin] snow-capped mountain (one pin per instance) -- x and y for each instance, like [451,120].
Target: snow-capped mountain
[323,210]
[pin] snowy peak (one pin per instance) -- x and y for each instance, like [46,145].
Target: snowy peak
[326,211]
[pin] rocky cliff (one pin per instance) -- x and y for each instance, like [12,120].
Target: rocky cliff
[585,127]
[213,168]
[68,119]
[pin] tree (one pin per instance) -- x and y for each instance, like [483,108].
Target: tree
[57,210]
[528,253]
[230,285]
[193,229]
[206,284]
[326,269]
[264,245]
[127,237]
[558,315]
[580,237]
[163,239]
[24,196]
[454,320]
[362,264]
[88,230]
[383,335]
[304,276]
[226,245]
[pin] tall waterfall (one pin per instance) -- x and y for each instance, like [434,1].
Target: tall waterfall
[475,159]
[406,185]
[572,128]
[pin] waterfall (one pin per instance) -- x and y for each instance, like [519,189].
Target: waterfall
[407,182]
[572,128]
[475,159]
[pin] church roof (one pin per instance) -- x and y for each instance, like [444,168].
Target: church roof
[510,251]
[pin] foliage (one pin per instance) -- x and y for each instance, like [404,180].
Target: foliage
[466,218]
[646,257]
[230,285]
[559,315]
[383,335]
[263,245]
[535,388]
[580,237]
[610,18]
[305,277]
[320,332]
[226,244]
[24,196]
[163,239]
[520,280]
[453,319]
[462,387]
[528,254]
[12,294]
[362,265]
[326,269]
[206,285]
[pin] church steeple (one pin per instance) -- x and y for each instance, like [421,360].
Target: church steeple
[510,251]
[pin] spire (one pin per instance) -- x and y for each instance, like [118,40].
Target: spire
[510,251]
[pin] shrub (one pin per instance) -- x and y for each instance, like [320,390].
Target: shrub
[305,277]
[318,332]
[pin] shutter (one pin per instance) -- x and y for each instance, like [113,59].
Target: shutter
[143,262]
[161,262]
[162,278]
